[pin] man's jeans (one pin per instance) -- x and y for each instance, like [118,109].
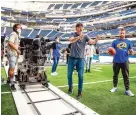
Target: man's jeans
[79,63]
[55,63]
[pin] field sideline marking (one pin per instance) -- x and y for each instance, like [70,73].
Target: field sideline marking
[5,92]
[97,70]
[94,82]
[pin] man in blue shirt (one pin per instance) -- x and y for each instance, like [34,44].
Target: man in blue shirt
[55,55]
[120,61]
[76,58]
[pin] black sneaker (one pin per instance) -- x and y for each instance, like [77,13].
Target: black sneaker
[79,95]
[70,91]
[8,81]
[85,71]
[89,71]
[13,87]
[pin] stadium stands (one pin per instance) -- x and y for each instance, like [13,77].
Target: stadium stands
[76,5]
[8,31]
[66,6]
[50,6]
[58,35]
[57,6]
[84,5]
[92,30]
[31,33]
[65,35]
[44,33]
[70,20]
[95,3]
[34,33]
[25,32]
[2,29]
[52,33]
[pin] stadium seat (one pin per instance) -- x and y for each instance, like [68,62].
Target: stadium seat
[34,33]
[44,33]
[8,31]
[52,33]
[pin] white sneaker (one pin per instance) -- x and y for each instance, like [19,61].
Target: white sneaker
[53,74]
[114,89]
[129,93]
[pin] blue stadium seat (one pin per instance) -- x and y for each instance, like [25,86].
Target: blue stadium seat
[67,35]
[57,6]
[50,6]
[85,4]
[95,3]
[105,2]
[58,35]
[44,33]
[25,32]
[49,19]
[53,33]
[21,19]
[71,19]
[34,33]
[2,29]
[131,29]
[58,20]
[66,6]
[8,31]
[4,18]
[115,4]
[6,9]
[76,5]
[84,18]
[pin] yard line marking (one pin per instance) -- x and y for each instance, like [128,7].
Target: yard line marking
[5,92]
[97,70]
[94,82]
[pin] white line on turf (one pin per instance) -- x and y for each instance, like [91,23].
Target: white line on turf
[5,92]
[94,82]
[97,70]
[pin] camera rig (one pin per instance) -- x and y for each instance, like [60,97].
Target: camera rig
[31,69]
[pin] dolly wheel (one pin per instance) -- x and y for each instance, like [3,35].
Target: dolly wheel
[45,84]
[23,87]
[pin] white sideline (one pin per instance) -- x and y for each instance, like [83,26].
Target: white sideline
[5,92]
[97,70]
[93,82]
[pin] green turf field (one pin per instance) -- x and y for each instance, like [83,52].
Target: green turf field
[95,95]
[7,102]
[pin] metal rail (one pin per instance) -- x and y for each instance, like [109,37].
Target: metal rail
[38,112]
[67,102]
[59,98]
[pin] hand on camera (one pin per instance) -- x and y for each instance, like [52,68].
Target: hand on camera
[18,52]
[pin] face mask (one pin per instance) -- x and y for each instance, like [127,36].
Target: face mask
[19,30]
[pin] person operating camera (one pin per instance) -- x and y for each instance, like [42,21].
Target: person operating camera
[13,53]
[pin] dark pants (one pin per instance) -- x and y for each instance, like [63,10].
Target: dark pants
[55,63]
[79,63]
[125,73]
